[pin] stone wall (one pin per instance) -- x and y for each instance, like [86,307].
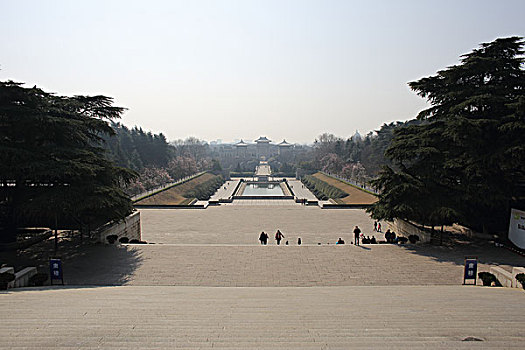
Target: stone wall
[405,229]
[128,227]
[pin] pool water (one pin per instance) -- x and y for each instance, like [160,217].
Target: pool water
[263,190]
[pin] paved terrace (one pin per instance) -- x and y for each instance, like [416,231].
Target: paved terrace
[301,191]
[242,221]
[274,266]
[263,169]
[226,190]
[211,286]
[400,317]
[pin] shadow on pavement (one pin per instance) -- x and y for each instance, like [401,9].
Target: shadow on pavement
[84,263]
[455,253]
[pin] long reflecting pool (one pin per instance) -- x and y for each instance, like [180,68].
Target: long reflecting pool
[263,190]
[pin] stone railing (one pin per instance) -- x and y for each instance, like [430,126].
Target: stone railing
[405,229]
[128,227]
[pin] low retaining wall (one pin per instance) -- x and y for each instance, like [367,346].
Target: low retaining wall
[344,206]
[287,187]
[506,278]
[171,206]
[21,277]
[405,229]
[128,227]
[262,197]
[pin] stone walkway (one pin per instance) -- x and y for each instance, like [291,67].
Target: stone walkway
[399,317]
[225,191]
[301,191]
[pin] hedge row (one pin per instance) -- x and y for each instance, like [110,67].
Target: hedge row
[204,190]
[241,174]
[321,189]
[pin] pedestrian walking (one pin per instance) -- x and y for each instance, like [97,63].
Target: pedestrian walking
[299,242]
[375,226]
[278,237]
[378,227]
[263,238]
[357,231]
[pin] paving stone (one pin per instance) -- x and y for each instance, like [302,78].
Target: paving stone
[262,318]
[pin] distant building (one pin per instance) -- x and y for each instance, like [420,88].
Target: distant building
[356,137]
[263,147]
[246,156]
[241,149]
[285,149]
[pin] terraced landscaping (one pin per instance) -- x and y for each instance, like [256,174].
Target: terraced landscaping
[355,196]
[176,195]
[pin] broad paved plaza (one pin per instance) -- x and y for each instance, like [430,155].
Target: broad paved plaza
[242,221]
[204,281]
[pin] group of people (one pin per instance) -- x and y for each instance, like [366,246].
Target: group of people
[263,237]
[358,236]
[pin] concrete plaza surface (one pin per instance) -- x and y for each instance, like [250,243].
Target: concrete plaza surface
[401,317]
[275,266]
[207,283]
[242,221]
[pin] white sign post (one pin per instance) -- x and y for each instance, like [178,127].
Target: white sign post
[517,228]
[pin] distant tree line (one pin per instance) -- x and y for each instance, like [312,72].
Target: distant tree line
[157,161]
[356,158]
[136,149]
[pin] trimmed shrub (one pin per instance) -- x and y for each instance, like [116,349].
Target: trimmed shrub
[488,279]
[112,239]
[5,278]
[321,189]
[521,279]
[38,280]
[206,189]
[413,239]
[123,240]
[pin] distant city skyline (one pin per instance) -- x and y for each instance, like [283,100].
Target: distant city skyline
[241,69]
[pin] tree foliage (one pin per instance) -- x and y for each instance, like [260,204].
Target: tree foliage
[464,161]
[137,149]
[52,163]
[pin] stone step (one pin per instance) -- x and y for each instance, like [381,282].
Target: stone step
[262,318]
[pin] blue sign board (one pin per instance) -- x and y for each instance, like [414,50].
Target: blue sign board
[55,270]
[471,268]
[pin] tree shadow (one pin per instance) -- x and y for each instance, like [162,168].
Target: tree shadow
[83,262]
[455,253]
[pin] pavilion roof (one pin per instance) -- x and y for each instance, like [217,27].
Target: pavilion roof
[262,139]
[284,144]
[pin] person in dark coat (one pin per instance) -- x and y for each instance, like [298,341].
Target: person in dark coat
[278,237]
[357,232]
[263,238]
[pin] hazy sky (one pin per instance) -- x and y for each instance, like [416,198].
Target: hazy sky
[240,69]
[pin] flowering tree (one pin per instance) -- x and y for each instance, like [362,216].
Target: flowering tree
[182,166]
[332,163]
